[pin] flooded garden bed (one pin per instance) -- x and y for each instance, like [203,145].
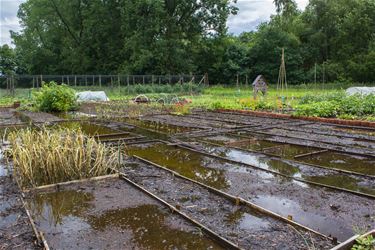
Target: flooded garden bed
[249,228]
[317,209]
[308,187]
[111,214]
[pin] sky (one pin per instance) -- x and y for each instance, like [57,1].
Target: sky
[251,13]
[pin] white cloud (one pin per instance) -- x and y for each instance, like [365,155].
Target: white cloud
[253,12]
[8,19]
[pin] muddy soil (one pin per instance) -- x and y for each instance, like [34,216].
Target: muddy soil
[246,227]
[88,108]
[331,139]
[335,131]
[318,144]
[290,124]
[89,128]
[9,117]
[189,121]
[296,169]
[40,117]
[15,229]
[330,212]
[287,152]
[111,214]
[247,119]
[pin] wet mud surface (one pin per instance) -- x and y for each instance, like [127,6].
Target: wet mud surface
[111,214]
[9,117]
[330,212]
[299,170]
[39,117]
[87,127]
[247,227]
[114,215]
[15,229]
[334,139]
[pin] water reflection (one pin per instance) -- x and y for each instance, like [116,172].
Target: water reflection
[185,162]
[86,127]
[152,228]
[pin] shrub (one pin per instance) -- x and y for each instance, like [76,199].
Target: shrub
[55,98]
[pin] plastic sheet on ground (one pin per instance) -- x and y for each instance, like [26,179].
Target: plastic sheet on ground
[99,96]
[361,90]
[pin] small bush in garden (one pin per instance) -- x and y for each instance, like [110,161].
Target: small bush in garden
[55,98]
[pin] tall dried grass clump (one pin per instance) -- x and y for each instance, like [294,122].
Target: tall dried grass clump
[52,156]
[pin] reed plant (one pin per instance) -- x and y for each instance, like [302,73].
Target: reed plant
[53,156]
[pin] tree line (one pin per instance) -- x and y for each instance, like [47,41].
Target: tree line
[331,40]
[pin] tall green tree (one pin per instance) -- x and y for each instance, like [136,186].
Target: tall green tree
[95,36]
[8,62]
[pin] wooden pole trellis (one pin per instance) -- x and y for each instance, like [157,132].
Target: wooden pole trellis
[206,81]
[127,80]
[282,85]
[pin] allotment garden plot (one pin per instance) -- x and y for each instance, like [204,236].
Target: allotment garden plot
[205,180]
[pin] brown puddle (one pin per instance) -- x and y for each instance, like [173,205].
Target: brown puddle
[97,219]
[189,164]
[341,181]
[289,151]
[86,127]
[355,163]
[159,126]
[148,223]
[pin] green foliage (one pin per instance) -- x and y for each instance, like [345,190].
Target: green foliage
[136,37]
[336,105]
[364,243]
[8,62]
[263,105]
[333,40]
[55,98]
[318,109]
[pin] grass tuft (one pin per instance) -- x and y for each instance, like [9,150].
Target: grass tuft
[53,156]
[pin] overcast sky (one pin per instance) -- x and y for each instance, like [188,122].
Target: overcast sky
[251,14]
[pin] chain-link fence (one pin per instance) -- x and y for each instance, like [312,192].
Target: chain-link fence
[21,85]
